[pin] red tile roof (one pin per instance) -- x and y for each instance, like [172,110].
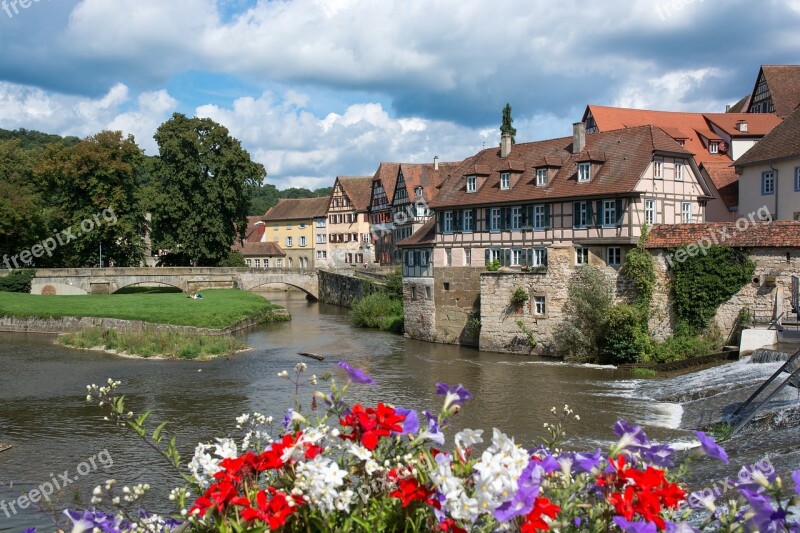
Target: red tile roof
[782,142]
[426,235]
[387,175]
[255,229]
[627,154]
[725,179]
[358,189]
[784,87]
[758,124]
[777,234]
[298,209]
[425,176]
[259,249]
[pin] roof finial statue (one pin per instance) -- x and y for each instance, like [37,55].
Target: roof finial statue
[506,126]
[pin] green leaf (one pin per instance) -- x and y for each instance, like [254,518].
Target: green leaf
[157,432]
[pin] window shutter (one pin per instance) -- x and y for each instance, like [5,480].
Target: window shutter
[589,214]
[438,222]
[599,213]
[524,210]
[457,220]
[619,211]
[487,256]
[544,263]
[460,217]
[575,214]
[417,258]
[506,256]
[505,213]
[547,216]
[529,259]
[474,220]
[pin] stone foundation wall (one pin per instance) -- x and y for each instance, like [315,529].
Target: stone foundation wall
[344,289]
[420,309]
[456,294]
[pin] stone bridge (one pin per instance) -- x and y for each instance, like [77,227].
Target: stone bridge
[64,281]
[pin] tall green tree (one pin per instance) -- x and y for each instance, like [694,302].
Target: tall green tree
[506,126]
[203,181]
[95,188]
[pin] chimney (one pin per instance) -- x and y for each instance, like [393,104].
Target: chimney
[505,145]
[741,126]
[578,137]
[727,108]
[436,162]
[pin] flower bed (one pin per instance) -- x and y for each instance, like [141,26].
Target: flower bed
[341,467]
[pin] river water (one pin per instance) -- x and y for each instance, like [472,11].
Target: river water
[43,412]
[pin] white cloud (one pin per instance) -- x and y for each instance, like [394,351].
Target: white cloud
[671,91]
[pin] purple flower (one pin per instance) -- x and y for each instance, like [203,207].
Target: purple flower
[411,423]
[550,464]
[456,395]
[658,455]
[287,419]
[681,527]
[433,433]
[89,520]
[579,463]
[635,527]
[522,503]
[356,375]
[711,448]
[754,478]
[629,435]
[762,516]
[796,479]
[30,530]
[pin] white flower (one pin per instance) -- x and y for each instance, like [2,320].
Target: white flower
[359,451]
[283,374]
[468,438]
[320,479]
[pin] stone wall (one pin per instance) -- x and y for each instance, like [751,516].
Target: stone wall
[456,293]
[419,309]
[344,289]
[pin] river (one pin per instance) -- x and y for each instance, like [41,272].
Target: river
[43,412]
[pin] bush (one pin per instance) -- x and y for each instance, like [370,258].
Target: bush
[624,340]
[378,310]
[519,297]
[682,347]
[493,266]
[234,259]
[394,284]
[18,281]
[588,298]
[640,270]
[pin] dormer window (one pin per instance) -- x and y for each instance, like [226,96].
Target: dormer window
[713,147]
[505,180]
[472,183]
[584,171]
[658,169]
[418,191]
[682,143]
[541,177]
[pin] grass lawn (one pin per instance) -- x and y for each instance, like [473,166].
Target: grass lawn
[218,308]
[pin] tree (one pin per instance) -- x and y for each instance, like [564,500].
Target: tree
[589,297]
[203,181]
[506,126]
[95,186]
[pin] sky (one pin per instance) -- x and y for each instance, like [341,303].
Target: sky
[319,88]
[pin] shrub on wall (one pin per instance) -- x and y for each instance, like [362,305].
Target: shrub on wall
[18,281]
[702,282]
[588,298]
[519,297]
[378,310]
[624,340]
[639,269]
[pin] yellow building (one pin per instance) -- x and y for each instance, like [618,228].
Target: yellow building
[290,224]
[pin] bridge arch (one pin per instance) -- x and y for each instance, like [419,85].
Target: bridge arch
[154,284]
[308,294]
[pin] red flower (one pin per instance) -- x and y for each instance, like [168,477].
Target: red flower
[369,425]
[220,496]
[273,510]
[410,490]
[450,525]
[534,521]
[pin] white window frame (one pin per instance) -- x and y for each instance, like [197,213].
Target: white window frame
[467,256]
[539,305]
[516,218]
[614,256]
[495,219]
[469,221]
[584,172]
[447,222]
[321,238]
[658,169]
[679,170]
[302,240]
[280,262]
[686,213]
[541,177]
[650,210]
[517,255]
[538,216]
[258,263]
[289,241]
[581,217]
[320,223]
[713,147]
[581,255]
[505,181]
[539,257]
[472,183]
[495,254]
[609,210]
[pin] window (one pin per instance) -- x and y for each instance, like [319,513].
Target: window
[650,212]
[658,169]
[258,263]
[472,183]
[686,212]
[539,217]
[302,241]
[614,256]
[447,227]
[280,263]
[448,257]
[247,262]
[446,286]
[413,292]
[797,179]
[266,263]
[467,256]
[517,257]
[494,219]
[679,169]
[580,215]
[302,226]
[581,256]
[539,258]
[321,254]
[584,171]
[609,212]
[320,223]
[768,182]
[516,218]
[288,226]
[505,180]
[424,258]
[321,238]
[290,262]
[469,221]
[289,241]
[495,254]
[539,307]
[428,292]
[541,176]
[713,147]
